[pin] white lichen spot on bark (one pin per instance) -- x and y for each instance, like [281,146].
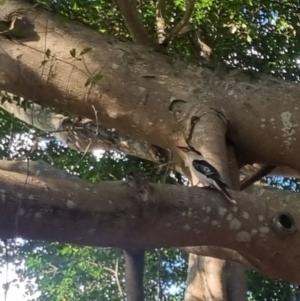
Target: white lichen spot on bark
[245,215]
[253,231]
[19,195]
[229,217]
[197,231]
[187,227]
[115,66]
[142,89]
[214,223]
[70,204]
[234,209]
[205,220]
[260,218]
[264,230]
[38,215]
[183,213]
[111,110]
[222,211]
[208,209]
[243,236]
[190,212]
[288,127]
[31,197]
[235,224]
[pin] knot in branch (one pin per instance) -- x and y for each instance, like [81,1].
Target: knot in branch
[188,114]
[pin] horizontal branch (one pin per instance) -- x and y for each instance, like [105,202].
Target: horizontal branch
[118,214]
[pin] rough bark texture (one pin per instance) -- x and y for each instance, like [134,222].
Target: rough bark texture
[207,273]
[209,278]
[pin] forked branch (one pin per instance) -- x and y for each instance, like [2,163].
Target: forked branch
[184,21]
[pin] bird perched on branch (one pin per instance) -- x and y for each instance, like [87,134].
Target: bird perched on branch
[206,174]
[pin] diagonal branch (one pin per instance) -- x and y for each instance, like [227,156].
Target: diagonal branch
[134,22]
[179,26]
[84,135]
[262,172]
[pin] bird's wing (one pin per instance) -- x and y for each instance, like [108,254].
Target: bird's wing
[207,169]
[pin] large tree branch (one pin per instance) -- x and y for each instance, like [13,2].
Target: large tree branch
[85,135]
[262,229]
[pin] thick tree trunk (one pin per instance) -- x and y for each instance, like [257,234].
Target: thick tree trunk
[206,280]
[212,279]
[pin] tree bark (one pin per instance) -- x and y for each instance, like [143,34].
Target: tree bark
[263,230]
[211,278]
[208,281]
[138,85]
[134,97]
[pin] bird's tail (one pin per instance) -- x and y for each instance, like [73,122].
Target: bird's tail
[223,188]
